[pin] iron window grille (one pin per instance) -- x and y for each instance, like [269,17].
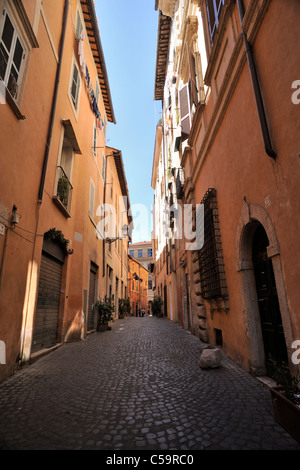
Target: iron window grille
[211,265]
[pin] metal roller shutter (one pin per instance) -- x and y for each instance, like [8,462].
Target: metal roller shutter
[47,311]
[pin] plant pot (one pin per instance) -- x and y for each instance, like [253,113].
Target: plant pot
[286,413]
[102,327]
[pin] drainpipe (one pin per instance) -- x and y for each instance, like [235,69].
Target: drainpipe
[54,102]
[256,88]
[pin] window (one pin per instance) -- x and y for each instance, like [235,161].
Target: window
[79,26]
[185,111]
[63,177]
[12,55]
[149,252]
[150,284]
[131,252]
[210,257]
[75,85]
[63,186]
[140,253]
[103,166]
[92,199]
[214,8]
[104,125]
[97,92]
[95,141]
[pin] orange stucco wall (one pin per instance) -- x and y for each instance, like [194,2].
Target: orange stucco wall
[23,144]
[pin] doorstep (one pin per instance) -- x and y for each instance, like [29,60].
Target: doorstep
[267,381]
[43,352]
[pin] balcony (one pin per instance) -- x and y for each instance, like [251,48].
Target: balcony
[63,195]
[180,183]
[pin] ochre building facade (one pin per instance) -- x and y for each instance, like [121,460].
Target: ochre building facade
[228,143]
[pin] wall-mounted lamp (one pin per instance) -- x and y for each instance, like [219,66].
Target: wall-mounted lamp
[123,237]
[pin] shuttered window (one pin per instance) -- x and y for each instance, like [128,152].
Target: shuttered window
[75,85]
[214,8]
[193,75]
[185,112]
[95,141]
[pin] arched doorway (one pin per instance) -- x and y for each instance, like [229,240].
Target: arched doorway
[269,309]
[257,243]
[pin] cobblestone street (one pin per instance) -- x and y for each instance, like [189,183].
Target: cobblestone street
[136,387]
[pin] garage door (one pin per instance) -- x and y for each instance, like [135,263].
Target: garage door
[47,311]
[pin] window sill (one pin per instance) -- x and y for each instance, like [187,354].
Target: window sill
[15,108]
[61,207]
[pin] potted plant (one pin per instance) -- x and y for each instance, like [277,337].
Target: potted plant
[286,399]
[105,310]
[122,308]
[63,190]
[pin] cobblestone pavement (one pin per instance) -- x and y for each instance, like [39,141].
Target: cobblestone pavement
[136,387]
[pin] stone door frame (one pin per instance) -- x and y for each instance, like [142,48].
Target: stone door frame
[252,215]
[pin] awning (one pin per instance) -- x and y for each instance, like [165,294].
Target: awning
[70,134]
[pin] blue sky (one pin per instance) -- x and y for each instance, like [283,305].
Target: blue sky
[128,31]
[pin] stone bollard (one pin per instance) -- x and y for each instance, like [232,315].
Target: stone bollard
[210,358]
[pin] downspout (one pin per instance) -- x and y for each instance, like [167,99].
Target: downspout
[54,102]
[256,87]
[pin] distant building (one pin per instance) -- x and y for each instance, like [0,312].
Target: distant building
[143,253]
[137,286]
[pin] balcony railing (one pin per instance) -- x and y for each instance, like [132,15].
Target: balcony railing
[179,183]
[63,189]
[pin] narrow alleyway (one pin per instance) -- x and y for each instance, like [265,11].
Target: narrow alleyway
[136,387]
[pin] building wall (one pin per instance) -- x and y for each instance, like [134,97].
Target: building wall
[137,286]
[143,252]
[225,150]
[23,134]
[115,251]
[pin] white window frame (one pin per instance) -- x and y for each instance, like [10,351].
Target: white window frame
[95,140]
[10,61]
[78,89]
[97,91]
[92,199]
[17,15]
[79,24]
[217,15]
[103,166]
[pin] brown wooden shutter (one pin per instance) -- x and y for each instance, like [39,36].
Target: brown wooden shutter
[193,79]
[184,99]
